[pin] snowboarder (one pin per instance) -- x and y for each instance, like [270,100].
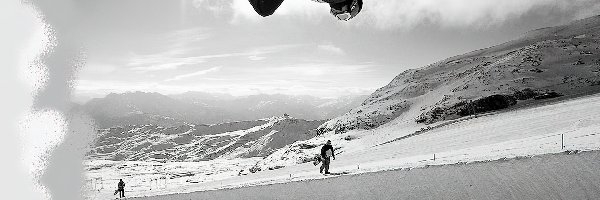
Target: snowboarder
[326,155]
[341,9]
[121,188]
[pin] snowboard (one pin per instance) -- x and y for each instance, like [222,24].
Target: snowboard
[336,173]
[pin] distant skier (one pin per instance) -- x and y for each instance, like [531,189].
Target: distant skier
[341,9]
[326,155]
[121,188]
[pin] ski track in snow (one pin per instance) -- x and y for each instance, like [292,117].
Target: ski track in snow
[526,132]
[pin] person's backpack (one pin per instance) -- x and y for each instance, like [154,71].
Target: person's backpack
[328,153]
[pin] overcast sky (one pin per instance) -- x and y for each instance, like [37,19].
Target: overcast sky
[224,46]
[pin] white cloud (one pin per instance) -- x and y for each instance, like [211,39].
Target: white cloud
[173,59]
[85,89]
[408,13]
[198,73]
[255,58]
[321,79]
[323,69]
[107,86]
[164,63]
[243,10]
[330,48]
[186,36]
[98,68]
[170,61]
[215,6]
[180,42]
[590,10]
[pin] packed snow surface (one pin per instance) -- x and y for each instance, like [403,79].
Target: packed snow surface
[144,178]
[568,175]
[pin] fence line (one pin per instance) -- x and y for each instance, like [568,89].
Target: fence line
[563,145]
[158,183]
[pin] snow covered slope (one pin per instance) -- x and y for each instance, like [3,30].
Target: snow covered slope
[554,176]
[496,136]
[546,63]
[572,125]
[201,142]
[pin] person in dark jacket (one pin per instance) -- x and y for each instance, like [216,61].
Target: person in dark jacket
[344,9]
[121,188]
[326,155]
[341,9]
[265,7]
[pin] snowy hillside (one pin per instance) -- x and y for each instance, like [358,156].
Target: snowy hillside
[544,66]
[243,139]
[571,125]
[546,63]
[494,136]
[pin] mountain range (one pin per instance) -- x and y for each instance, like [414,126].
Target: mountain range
[142,108]
[243,139]
[544,65]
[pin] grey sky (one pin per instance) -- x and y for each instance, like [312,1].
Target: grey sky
[223,46]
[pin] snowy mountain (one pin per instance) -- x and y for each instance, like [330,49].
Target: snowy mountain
[545,63]
[242,139]
[140,108]
[543,67]
[536,95]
